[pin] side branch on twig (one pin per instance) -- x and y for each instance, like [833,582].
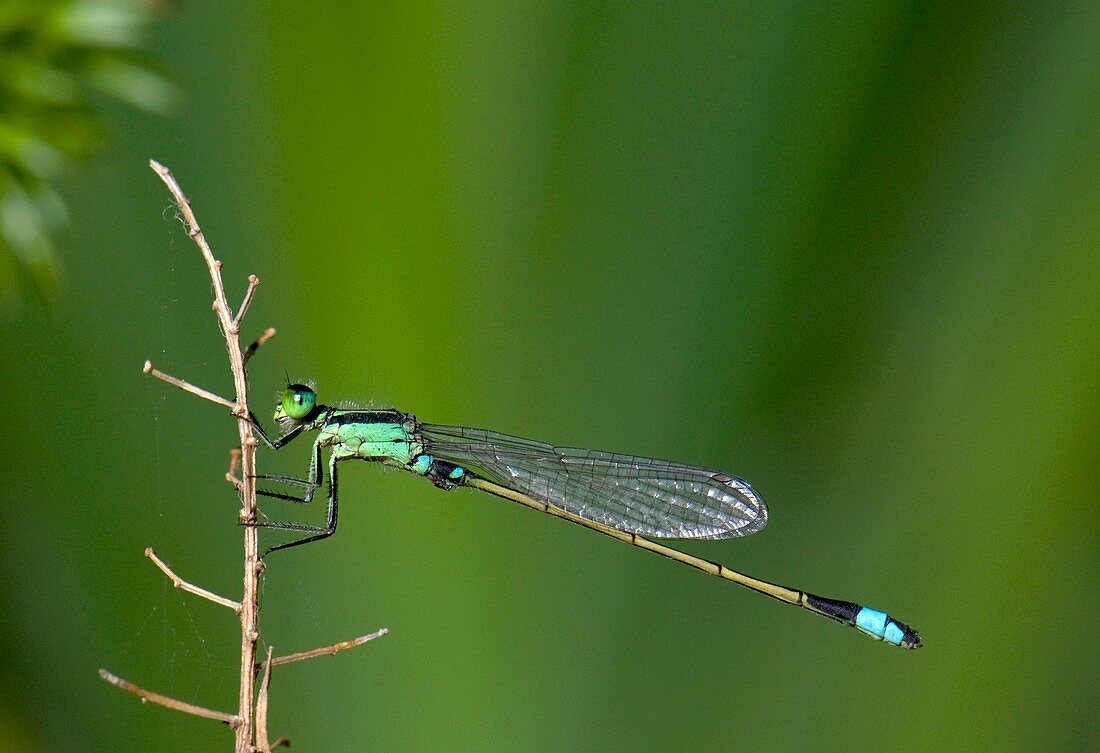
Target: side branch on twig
[335,648]
[188,387]
[171,703]
[253,283]
[183,585]
[263,742]
[234,464]
[250,351]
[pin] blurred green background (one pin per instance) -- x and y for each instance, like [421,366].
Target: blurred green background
[847,251]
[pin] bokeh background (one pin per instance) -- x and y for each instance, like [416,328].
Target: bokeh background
[849,251]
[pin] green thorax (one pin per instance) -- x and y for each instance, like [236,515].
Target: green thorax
[389,436]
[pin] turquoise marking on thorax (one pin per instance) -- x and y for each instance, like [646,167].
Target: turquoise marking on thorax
[456,473]
[389,441]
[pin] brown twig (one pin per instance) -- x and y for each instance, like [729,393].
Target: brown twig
[230,326]
[253,283]
[188,387]
[183,585]
[263,744]
[335,648]
[234,464]
[250,721]
[163,700]
[250,351]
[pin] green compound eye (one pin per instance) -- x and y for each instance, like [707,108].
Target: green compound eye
[298,401]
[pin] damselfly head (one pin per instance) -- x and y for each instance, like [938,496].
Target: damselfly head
[296,404]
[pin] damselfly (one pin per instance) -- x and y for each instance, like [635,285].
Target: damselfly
[625,497]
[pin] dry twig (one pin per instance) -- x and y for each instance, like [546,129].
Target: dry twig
[163,700]
[253,283]
[234,464]
[180,583]
[250,722]
[263,743]
[335,648]
[188,387]
[264,337]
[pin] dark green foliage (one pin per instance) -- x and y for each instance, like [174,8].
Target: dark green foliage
[59,61]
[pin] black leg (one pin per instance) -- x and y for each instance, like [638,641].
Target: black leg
[318,533]
[279,441]
[311,484]
[286,527]
[286,497]
[294,480]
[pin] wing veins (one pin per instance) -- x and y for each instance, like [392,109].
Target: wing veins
[659,498]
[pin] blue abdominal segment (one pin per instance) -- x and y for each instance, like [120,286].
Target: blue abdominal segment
[879,625]
[871,622]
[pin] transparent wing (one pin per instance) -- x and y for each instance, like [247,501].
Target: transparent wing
[654,498]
